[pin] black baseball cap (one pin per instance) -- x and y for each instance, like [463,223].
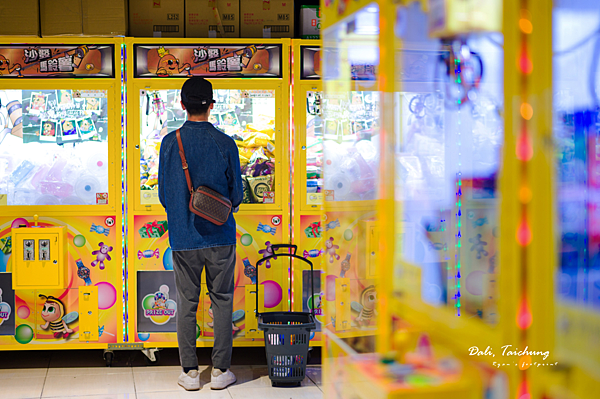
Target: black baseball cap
[197,91]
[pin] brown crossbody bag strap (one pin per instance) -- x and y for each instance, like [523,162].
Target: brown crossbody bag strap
[184,163]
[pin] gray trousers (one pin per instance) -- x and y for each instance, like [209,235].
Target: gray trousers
[220,267]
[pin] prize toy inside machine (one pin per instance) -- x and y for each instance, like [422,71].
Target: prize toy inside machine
[250,112]
[346,121]
[573,368]
[308,190]
[61,281]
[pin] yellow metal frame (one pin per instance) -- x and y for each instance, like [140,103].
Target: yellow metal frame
[54,213]
[299,203]
[282,141]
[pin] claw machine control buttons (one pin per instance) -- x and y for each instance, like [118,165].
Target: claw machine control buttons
[47,270]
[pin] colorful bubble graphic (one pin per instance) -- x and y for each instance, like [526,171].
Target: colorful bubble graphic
[330,287]
[143,336]
[23,334]
[348,234]
[197,331]
[79,241]
[18,222]
[474,282]
[246,239]
[107,295]
[273,293]
[168,259]
[23,312]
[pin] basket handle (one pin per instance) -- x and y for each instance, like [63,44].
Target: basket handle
[279,246]
[261,261]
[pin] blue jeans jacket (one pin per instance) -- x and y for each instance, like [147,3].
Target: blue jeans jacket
[214,162]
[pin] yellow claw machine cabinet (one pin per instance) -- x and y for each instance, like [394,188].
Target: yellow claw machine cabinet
[307,194]
[250,81]
[62,254]
[347,125]
[350,116]
[441,326]
[565,106]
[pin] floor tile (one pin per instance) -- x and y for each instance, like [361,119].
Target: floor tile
[88,381]
[307,392]
[314,373]
[58,372]
[162,378]
[6,374]
[107,396]
[256,377]
[19,385]
[204,393]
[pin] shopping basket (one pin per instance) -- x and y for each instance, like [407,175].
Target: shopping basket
[287,334]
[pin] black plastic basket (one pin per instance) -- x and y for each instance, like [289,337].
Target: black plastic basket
[287,334]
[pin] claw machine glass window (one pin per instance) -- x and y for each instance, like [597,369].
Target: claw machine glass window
[54,147]
[247,116]
[347,130]
[449,137]
[577,169]
[350,117]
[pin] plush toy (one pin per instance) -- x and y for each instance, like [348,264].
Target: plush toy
[331,250]
[101,255]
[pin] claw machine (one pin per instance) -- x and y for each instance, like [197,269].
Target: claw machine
[307,157]
[566,218]
[347,125]
[61,229]
[250,82]
[446,298]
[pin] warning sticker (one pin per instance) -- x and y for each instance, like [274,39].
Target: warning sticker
[102,198]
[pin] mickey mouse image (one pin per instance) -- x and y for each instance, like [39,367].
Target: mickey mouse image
[101,255]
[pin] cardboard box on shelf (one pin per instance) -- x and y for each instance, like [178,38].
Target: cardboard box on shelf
[267,18]
[83,17]
[310,22]
[212,18]
[20,18]
[156,18]
[61,17]
[105,17]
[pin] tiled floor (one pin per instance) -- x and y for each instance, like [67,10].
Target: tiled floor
[71,379]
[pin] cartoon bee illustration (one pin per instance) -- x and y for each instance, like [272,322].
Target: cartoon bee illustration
[56,318]
[168,64]
[366,307]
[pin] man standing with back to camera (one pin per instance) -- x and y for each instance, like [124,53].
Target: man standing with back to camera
[213,161]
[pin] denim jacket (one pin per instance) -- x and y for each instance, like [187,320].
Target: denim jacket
[213,161]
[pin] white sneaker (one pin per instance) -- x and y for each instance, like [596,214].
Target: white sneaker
[221,380]
[190,381]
